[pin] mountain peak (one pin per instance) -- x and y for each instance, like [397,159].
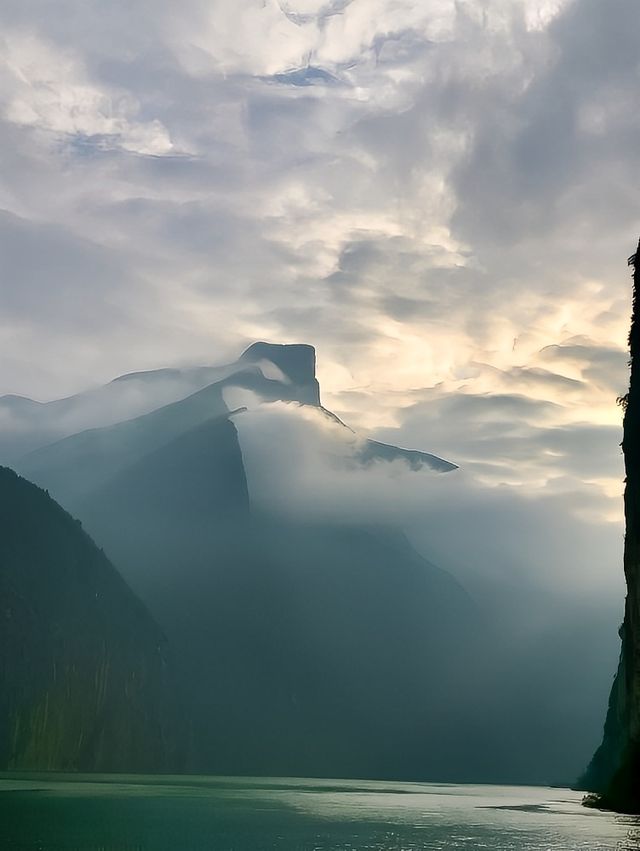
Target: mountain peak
[296,360]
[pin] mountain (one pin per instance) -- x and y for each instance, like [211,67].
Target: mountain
[305,647]
[356,654]
[301,646]
[27,424]
[270,372]
[83,670]
[614,772]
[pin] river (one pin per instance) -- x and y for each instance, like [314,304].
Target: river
[57,812]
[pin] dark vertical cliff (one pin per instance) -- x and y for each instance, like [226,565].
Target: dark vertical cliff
[614,772]
[83,679]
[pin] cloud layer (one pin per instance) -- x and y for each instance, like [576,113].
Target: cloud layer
[439,196]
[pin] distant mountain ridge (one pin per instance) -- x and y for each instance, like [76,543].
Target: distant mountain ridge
[273,372]
[28,425]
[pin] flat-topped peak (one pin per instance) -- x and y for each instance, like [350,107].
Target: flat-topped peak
[296,360]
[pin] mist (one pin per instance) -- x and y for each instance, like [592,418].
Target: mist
[544,576]
[297,566]
[317,460]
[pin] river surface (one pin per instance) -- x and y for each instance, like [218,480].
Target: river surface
[57,812]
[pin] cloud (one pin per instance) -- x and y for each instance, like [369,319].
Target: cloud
[49,89]
[602,366]
[445,212]
[302,464]
[534,446]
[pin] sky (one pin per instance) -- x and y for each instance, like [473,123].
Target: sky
[439,196]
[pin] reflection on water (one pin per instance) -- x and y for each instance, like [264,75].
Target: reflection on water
[631,842]
[126,813]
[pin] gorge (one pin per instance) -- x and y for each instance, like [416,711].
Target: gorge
[303,631]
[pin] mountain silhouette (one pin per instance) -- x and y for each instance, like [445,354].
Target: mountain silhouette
[84,682]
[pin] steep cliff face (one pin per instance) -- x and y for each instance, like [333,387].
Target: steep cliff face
[83,682]
[614,772]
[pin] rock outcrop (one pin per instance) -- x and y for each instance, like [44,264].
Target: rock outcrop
[297,361]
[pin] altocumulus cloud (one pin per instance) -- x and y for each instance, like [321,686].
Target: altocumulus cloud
[439,196]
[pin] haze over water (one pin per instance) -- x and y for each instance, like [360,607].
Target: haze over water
[57,812]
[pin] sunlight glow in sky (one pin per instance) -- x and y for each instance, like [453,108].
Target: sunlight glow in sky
[439,196]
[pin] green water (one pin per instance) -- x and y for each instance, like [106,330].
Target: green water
[137,813]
